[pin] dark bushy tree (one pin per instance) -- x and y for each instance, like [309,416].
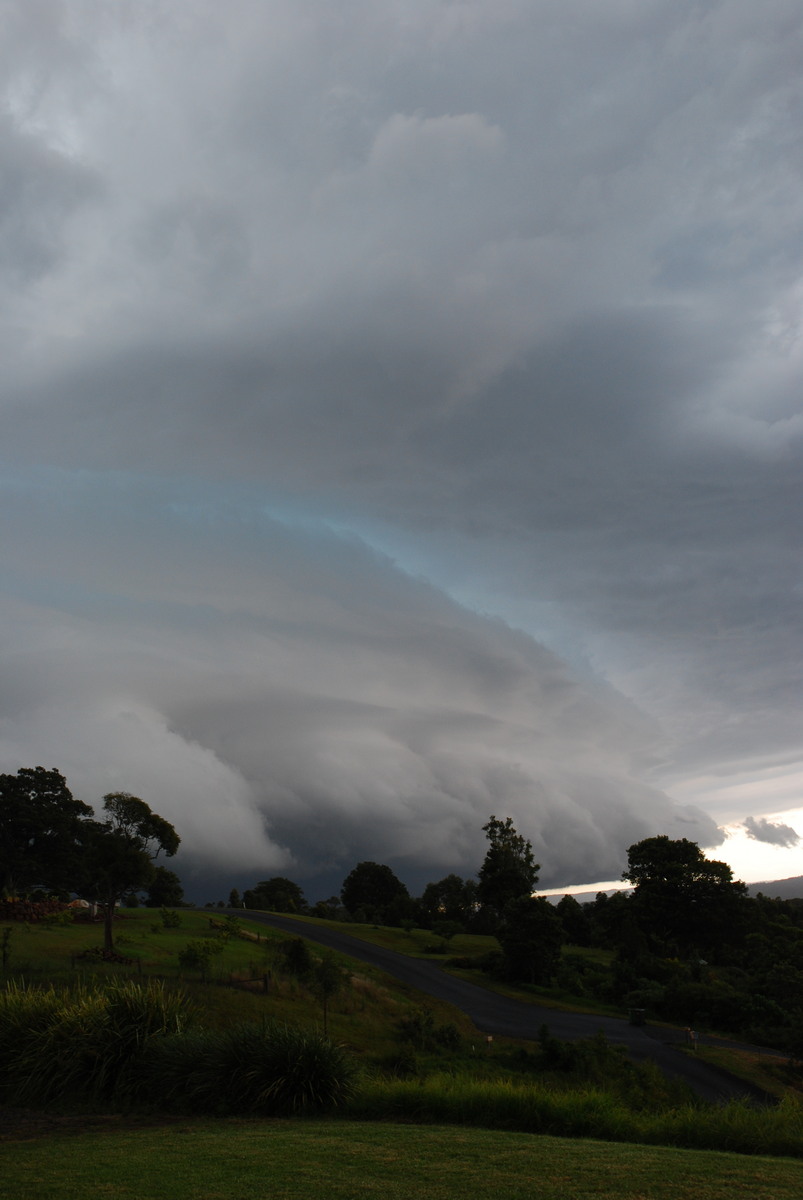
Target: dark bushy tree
[276,895]
[450,899]
[374,891]
[509,871]
[164,889]
[575,920]
[531,937]
[681,899]
[41,831]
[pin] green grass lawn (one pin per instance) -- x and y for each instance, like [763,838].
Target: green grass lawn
[238,1160]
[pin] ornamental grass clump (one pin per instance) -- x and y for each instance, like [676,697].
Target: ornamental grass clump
[266,1070]
[80,1045]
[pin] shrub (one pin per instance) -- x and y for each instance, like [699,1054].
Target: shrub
[296,958]
[419,1030]
[269,1070]
[199,953]
[80,1045]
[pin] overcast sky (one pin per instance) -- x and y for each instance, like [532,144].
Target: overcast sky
[401,423]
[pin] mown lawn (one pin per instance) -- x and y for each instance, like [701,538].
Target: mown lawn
[238,1160]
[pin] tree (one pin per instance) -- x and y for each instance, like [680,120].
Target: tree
[327,980]
[41,826]
[575,920]
[682,899]
[509,871]
[373,889]
[165,889]
[531,938]
[449,899]
[276,895]
[119,853]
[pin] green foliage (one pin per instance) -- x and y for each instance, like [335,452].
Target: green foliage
[169,918]
[295,957]
[41,828]
[420,1030]
[682,900]
[449,899]
[199,954]
[231,926]
[165,890]
[580,1112]
[118,853]
[509,871]
[327,980]
[80,1045]
[531,937]
[373,890]
[274,895]
[268,1070]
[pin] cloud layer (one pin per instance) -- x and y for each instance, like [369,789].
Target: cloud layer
[329,331]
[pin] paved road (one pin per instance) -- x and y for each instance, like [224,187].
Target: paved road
[503,1017]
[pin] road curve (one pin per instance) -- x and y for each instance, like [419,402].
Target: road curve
[498,1015]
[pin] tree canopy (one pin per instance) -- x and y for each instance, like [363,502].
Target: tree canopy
[509,871]
[41,825]
[373,890]
[120,851]
[276,895]
[449,899]
[680,897]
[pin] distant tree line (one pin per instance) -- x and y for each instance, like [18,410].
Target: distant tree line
[685,944]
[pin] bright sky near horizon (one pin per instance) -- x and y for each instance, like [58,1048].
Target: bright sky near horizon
[401,423]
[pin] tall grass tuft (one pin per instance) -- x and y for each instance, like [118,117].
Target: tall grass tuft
[80,1045]
[269,1070]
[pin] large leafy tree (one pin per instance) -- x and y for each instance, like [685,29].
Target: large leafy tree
[164,889]
[681,899]
[373,890]
[531,936]
[42,829]
[276,895]
[449,899]
[509,871]
[120,851]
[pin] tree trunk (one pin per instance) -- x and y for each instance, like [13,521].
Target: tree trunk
[108,918]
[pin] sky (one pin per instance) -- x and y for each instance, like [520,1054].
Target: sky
[400,423]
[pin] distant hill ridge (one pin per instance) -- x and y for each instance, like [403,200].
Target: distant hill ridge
[786,889]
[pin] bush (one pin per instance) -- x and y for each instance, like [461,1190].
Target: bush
[199,953]
[296,958]
[419,1030]
[80,1046]
[269,1070]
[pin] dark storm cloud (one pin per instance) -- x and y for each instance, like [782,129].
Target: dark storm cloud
[774,833]
[512,291]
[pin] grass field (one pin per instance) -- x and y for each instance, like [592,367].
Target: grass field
[238,1160]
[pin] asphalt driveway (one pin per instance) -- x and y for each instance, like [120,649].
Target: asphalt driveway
[502,1017]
